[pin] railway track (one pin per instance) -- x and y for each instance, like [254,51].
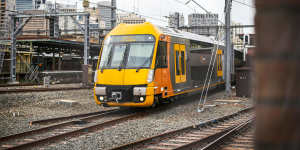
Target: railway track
[239,138]
[77,116]
[7,91]
[60,131]
[22,84]
[193,136]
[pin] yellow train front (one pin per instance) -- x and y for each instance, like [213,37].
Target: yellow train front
[141,64]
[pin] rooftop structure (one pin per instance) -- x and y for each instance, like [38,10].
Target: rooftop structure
[66,23]
[176,20]
[200,20]
[130,18]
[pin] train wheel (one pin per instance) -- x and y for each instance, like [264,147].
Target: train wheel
[155,102]
[172,99]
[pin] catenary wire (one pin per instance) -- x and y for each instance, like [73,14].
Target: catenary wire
[242,3]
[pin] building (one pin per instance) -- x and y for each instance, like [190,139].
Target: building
[235,36]
[37,3]
[94,17]
[36,26]
[5,5]
[66,23]
[105,13]
[201,24]
[203,19]
[176,20]
[22,5]
[130,18]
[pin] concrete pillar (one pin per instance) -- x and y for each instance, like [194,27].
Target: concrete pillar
[60,60]
[31,51]
[53,61]
[277,74]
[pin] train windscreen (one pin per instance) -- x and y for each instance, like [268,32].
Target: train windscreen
[131,52]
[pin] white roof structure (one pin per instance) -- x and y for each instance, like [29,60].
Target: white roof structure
[188,35]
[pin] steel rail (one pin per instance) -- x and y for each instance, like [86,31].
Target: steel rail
[222,139]
[169,135]
[56,119]
[51,127]
[84,128]
[81,131]
[7,91]
[22,84]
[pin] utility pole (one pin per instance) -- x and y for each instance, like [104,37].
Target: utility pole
[86,52]
[113,13]
[13,73]
[228,52]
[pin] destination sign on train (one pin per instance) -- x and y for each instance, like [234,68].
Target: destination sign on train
[132,38]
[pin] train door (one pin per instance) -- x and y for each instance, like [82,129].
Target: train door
[219,63]
[161,74]
[183,63]
[180,63]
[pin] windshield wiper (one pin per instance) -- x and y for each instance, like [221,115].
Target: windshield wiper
[108,60]
[124,56]
[143,65]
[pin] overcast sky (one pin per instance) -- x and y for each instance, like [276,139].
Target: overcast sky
[159,8]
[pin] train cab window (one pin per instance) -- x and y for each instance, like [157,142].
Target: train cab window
[161,56]
[182,63]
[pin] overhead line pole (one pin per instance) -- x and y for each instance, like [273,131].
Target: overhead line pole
[228,52]
[113,13]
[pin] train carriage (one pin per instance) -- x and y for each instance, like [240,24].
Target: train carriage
[142,64]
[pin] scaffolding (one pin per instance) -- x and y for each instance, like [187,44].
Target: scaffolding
[17,29]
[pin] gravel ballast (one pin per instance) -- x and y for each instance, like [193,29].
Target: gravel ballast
[18,109]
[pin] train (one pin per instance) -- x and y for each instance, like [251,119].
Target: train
[141,65]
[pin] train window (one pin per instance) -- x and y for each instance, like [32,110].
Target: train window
[140,55]
[117,55]
[177,63]
[104,55]
[182,63]
[161,56]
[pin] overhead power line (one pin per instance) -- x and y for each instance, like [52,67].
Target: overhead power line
[199,6]
[245,4]
[146,16]
[208,12]
[183,3]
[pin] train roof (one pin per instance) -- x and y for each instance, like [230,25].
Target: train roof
[149,28]
[188,35]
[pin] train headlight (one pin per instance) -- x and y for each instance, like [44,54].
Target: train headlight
[142,99]
[101,98]
[150,76]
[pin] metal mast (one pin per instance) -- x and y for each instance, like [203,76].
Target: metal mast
[113,13]
[228,52]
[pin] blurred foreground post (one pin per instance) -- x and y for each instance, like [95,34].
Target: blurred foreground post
[277,74]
